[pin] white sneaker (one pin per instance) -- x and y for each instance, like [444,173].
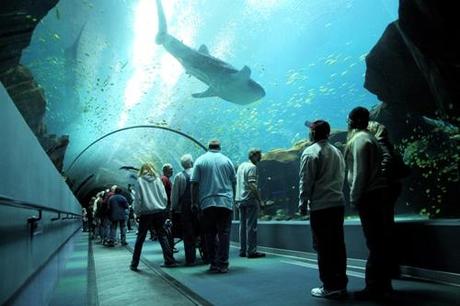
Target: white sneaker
[323,293]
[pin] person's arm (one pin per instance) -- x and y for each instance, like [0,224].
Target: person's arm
[176,192]
[194,186]
[252,183]
[308,169]
[125,203]
[137,198]
[194,191]
[360,151]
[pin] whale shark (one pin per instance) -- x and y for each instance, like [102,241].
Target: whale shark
[224,81]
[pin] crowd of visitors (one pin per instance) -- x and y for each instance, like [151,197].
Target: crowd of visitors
[198,203]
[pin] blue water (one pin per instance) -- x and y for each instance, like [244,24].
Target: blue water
[307,54]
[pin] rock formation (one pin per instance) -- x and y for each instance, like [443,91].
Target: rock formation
[18,20]
[414,69]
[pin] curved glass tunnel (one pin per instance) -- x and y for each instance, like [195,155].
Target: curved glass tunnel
[113,160]
[101,69]
[103,86]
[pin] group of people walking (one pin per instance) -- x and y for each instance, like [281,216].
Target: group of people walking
[107,211]
[202,197]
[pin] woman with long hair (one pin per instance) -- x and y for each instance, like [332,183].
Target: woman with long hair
[150,207]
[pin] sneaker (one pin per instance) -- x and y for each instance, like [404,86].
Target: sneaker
[256,255]
[213,268]
[323,293]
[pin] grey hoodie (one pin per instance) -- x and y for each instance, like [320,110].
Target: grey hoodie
[322,175]
[150,195]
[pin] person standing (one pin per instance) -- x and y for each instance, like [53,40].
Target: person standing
[166,179]
[248,201]
[322,175]
[181,207]
[150,206]
[367,194]
[117,214]
[213,186]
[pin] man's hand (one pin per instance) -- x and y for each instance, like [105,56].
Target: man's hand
[194,209]
[303,209]
[261,204]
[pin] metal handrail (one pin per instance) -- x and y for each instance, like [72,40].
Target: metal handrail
[7,201]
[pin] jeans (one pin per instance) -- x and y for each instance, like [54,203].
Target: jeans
[104,228]
[216,223]
[147,222]
[327,229]
[377,224]
[113,230]
[249,212]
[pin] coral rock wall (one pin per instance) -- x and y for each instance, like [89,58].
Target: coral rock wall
[414,69]
[18,20]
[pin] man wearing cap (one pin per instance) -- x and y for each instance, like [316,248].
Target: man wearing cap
[363,157]
[248,201]
[322,174]
[213,186]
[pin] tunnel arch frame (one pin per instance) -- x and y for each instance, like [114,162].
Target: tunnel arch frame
[143,126]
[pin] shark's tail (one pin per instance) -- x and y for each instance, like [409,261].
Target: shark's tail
[162,27]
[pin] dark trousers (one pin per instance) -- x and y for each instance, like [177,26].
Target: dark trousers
[392,195]
[327,229]
[377,224]
[190,232]
[249,212]
[216,223]
[146,222]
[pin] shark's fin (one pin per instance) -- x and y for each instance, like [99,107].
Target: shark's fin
[205,94]
[203,49]
[244,73]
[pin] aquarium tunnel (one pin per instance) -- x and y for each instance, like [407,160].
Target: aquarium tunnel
[90,90]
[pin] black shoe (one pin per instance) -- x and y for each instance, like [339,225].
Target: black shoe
[124,243]
[169,265]
[190,264]
[133,268]
[213,269]
[372,295]
[243,255]
[222,270]
[256,255]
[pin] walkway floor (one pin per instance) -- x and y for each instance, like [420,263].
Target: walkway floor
[274,280]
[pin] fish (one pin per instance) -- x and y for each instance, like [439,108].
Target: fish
[224,81]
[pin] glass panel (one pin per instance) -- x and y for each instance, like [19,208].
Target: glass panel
[102,70]
[112,159]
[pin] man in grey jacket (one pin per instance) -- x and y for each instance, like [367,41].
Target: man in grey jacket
[322,174]
[363,156]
